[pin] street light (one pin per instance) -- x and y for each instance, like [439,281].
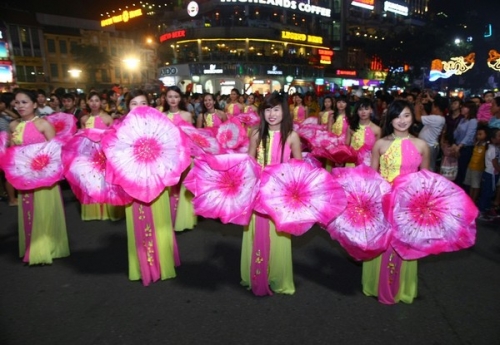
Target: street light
[75,73]
[131,64]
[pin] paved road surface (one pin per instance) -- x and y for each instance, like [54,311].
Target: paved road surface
[87,298]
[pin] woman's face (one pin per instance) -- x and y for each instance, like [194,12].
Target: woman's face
[173,99]
[364,113]
[274,116]
[403,122]
[137,102]
[233,96]
[465,111]
[95,103]
[24,105]
[328,103]
[250,99]
[208,101]
[341,105]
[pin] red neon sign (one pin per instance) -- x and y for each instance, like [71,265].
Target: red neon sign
[346,72]
[173,34]
[325,52]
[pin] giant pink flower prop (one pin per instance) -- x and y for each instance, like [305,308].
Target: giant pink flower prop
[64,124]
[145,154]
[94,134]
[86,173]
[249,119]
[311,120]
[224,186]
[201,141]
[308,132]
[362,229]
[231,134]
[296,195]
[430,215]
[34,166]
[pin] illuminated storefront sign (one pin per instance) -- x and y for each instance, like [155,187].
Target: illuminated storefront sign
[174,34]
[6,72]
[213,70]
[347,73]
[325,56]
[193,9]
[368,4]
[295,36]
[457,66]
[165,71]
[288,4]
[395,8]
[494,60]
[124,17]
[275,71]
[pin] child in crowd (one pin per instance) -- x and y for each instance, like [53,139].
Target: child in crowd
[484,111]
[490,175]
[475,168]
[449,163]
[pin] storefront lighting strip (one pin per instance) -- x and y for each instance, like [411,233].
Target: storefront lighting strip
[251,39]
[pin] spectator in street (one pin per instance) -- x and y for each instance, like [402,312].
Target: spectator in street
[55,103]
[42,108]
[490,175]
[495,112]
[476,165]
[69,106]
[484,111]
[432,125]
[464,137]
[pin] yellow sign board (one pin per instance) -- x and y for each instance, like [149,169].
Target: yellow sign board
[294,36]
[124,17]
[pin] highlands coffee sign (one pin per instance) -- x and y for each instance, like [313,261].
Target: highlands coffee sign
[288,4]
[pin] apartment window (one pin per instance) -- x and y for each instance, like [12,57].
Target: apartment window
[30,74]
[117,72]
[63,47]
[21,73]
[54,70]
[105,76]
[24,35]
[113,51]
[73,45]
[51,46]
[65,69]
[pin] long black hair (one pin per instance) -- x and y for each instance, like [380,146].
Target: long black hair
[286,125]
[323,108]
[354,120]
[342,98]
